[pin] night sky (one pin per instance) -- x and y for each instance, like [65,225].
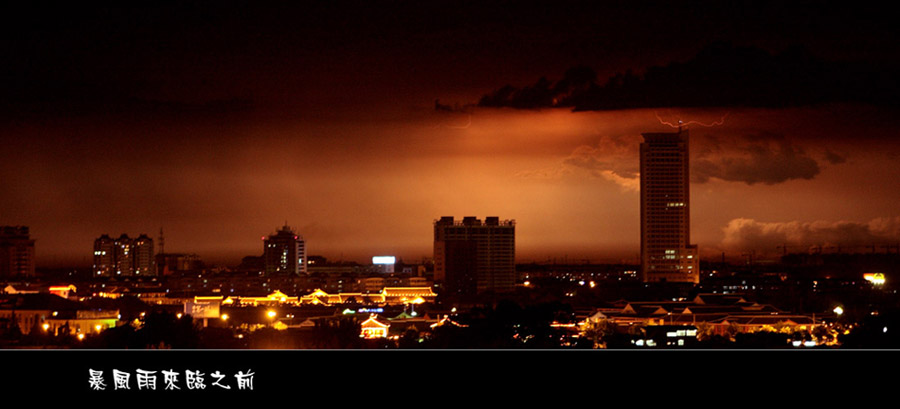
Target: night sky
[359,124]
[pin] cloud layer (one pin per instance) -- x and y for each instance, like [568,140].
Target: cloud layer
[745,233]
[766,158]
[720,75]
[762,158]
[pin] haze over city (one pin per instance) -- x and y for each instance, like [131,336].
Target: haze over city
[359,126]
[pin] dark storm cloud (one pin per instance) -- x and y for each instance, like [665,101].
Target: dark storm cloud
[764,158]
[768,159]
[577,81]
[457,108]
[96,59]
[834,158]
[752,234]
[720,75]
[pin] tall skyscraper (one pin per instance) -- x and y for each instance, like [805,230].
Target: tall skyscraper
[123,256]
[284,252]
[667,254]
[16,252]
[473,257]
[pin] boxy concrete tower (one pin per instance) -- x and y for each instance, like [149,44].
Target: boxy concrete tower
[667,254]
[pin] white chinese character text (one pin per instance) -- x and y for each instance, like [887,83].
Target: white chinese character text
[96,380]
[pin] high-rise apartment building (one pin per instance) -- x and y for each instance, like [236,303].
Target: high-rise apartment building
[123,256]
[16,252]
[667,254]
[124,261]
[284,252]
[473,257]
[144,256]
[104,256]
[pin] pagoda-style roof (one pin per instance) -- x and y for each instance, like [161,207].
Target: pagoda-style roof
[373,322]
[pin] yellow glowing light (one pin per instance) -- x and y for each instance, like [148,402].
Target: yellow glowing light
[178,315]
[838,310]
[98,327]
[527,283]
[224,317]
[874,278]
[271,313]
[81,337]
[46,326]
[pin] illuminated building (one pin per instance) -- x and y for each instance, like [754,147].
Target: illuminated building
[371,328]
[52,314]
[666,252]
[16,252]
[123,256]
[387,296]
[874,278]
[284,252]
[668,322]
[104,256]
[143,256]
[63,291]
[124,261]
[473,257]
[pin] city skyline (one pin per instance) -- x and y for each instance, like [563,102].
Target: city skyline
[361,127]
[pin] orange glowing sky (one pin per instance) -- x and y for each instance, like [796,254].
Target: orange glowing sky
[219,126]
[567,178]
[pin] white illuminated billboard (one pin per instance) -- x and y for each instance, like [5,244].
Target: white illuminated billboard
[384,260]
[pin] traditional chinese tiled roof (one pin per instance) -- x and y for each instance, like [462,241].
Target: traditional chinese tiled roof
[719,299]
[768,319]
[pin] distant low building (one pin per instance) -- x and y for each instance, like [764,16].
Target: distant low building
[667,336]
[52,314]
[173,263]
[372,328]
[719,314]
[63,291]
